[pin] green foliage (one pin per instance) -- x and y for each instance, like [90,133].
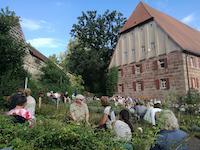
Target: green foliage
[36,87]
[53,78]
[111,82]
[8,20]
[145,140]
[12,51]
[76,83]
[53,134]
[95,37]
[192,97]
[54,59]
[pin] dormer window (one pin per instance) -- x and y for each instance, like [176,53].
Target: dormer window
[153,47]
[133,54]
[143,49]
[126,56]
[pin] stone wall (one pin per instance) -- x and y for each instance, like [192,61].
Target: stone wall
[193,63]
[31,63]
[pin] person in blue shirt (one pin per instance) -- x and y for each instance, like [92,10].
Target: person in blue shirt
[170,137]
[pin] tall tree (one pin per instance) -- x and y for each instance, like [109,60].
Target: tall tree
[12,52]
[54,59]
[94,39]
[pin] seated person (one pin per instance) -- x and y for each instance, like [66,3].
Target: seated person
[79,110]
[108,115]
[19,113]
[123,127]
[170,136]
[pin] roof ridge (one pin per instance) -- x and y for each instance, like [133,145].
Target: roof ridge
[146,6]
[143,4]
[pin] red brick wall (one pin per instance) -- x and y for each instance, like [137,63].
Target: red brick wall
[174,72]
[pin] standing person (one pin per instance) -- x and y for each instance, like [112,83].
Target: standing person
[79,110]
[170,137]
[140,109]
[31,103]
[151,112]
[108,115]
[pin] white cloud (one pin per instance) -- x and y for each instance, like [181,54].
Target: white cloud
[188,19]
[46,43]
[31,24]
[34,25]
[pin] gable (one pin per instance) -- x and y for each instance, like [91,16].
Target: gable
[149,37]
[138,16]
[184,36]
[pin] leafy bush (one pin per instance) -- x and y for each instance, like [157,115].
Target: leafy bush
[53,78]
[53,134]
[192,97]
[111,81]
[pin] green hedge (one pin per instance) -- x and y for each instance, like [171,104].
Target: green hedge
[53,134]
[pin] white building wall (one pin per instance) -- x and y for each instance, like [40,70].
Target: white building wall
[140,36]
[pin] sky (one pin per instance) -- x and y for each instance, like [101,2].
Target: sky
[46,24]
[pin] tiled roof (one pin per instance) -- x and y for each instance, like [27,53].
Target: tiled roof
[37,54]
[186,37]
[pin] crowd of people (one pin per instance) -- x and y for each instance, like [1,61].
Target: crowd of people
[22,109]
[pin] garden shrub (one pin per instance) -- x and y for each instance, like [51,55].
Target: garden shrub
[192,97]
[111,81]
[53,134]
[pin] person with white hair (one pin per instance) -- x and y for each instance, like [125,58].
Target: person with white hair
[79,110]
[31,103]
[170,136]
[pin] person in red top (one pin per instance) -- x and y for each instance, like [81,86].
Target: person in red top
[19,112]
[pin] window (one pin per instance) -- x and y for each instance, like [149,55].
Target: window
[126,57]
[143,49]
[147,66]
[153,47]
[162,63]
[194,83]
[139,86]
[133,54]
[121,88]
[138,69]
[192,62]
[163,84]
[121,72]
